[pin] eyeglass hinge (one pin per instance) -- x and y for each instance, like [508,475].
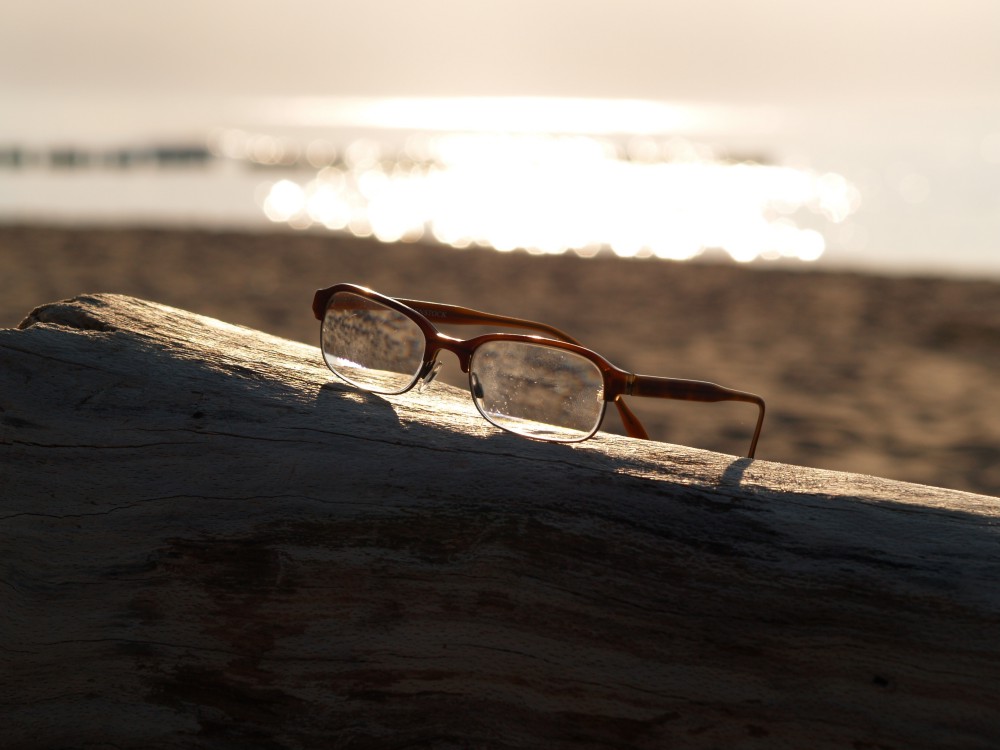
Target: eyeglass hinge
[629,383]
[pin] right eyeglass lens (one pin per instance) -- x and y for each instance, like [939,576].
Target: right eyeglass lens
[537,391]
[370,345]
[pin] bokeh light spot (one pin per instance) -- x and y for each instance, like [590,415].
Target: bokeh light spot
[550,194]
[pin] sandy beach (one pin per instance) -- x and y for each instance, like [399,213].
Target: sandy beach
[889,376]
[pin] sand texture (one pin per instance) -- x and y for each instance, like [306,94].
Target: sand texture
[897,377]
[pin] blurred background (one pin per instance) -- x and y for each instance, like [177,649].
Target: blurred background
[797,200]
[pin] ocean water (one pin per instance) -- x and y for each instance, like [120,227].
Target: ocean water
[911,190]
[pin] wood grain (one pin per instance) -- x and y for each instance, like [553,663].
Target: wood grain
[205,541]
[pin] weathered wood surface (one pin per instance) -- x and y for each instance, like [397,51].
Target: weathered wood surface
[207,542]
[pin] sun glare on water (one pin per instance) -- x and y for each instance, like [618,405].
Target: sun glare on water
[638,194]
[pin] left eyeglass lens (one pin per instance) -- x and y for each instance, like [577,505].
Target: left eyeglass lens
[370,345]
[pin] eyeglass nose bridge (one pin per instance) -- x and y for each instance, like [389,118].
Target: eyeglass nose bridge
[441,342]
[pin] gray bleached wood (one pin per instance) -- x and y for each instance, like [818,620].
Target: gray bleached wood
[207,542]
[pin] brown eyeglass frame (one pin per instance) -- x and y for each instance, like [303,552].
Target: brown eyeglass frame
[617,382]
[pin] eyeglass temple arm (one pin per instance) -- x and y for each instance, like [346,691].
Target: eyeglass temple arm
[455,315]
[695,390]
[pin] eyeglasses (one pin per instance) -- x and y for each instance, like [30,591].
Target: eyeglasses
[548,388]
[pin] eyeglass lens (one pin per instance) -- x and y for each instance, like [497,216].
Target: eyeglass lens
[534,390]
[370,345]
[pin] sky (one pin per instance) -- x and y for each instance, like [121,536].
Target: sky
[766,51]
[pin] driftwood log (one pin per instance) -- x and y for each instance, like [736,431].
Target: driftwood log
[205,541]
